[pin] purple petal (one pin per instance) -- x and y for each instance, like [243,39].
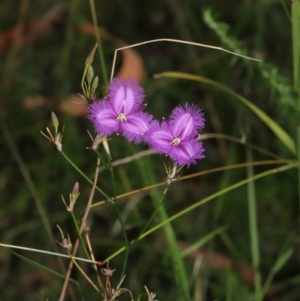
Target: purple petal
[183,126]
[125,94]
[160,137]
[187,152]
[136,126]
[103,117]
[186,120]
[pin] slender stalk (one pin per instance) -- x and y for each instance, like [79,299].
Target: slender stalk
[80,237]
[253,229]
[178,262]
[83,86]
[155,211]
[87,238]
[111,171]
[81,173]
[179,270]
[298,156]
[85,275]
[87,210]
[202,173]
[69,40]
[141,235]
[295,8]
[48,253]
[98,39]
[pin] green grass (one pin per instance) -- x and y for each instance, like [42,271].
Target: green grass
[245,213]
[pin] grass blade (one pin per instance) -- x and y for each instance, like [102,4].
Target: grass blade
[296,42]
[281,134]
[252,211]
[281,261]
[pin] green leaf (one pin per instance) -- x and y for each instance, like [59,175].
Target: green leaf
[201,242]
[296,42]
[280,262]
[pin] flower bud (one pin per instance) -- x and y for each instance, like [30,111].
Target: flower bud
[75,190]
[90,58]
[90,74]
[95,84]
[55,121]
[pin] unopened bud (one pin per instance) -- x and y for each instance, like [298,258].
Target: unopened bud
[95,84]
[90,58]
[90,74]
[55,121]
[106,148]
[75,190]
[66,242]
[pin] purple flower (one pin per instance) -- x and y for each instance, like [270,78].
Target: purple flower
[177,138]
[121,111]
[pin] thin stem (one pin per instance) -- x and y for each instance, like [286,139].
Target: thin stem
[98,39]
[286,10]
[178,262]
[178,266]
[80,237]
[93,258]
[298,155]
[253,230]
[174,41]
[48,253]
[111,171]
[144,229]
[239,140]
[295,9]
[85,275]
[154,212]
[87,210]
[69,40]
[202,173]
[83,88]
[80,172]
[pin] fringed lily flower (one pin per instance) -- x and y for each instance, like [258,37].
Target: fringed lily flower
[121,111]
[177,137]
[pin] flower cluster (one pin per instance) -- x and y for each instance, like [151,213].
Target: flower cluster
[122,112]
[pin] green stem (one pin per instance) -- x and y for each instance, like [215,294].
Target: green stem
[154,212]
[109,167]
[100,49]
[80,237]
[253,229]
[180,274]
[298,156]
[69,40]
[144,229]
[178,263]
[111,171]
[80,172]
[295,9]
[85,93]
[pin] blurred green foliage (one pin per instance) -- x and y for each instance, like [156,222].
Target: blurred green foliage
[49,64]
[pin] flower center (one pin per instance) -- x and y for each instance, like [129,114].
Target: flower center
[121,117]
[176,141]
